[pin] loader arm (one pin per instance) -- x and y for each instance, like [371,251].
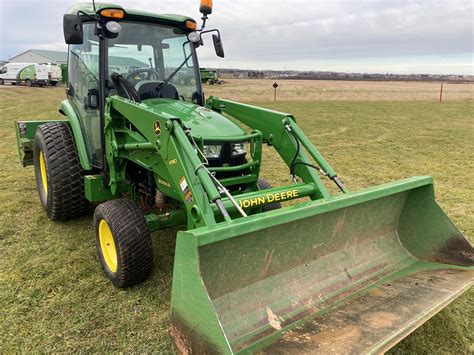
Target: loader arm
[281,131]
[169,155]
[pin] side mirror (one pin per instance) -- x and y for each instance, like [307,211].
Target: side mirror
[218,45]
[72,26]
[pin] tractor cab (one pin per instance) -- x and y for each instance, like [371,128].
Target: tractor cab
[132,54]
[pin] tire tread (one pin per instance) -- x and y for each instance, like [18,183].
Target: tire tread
[132,241]
[65,175]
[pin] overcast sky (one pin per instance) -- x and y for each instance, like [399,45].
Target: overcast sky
[395,36]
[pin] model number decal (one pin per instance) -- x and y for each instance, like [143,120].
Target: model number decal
[165,183]
[268,198]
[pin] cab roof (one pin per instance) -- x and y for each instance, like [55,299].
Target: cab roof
[131,14]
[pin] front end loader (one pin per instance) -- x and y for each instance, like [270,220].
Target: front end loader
[351,272]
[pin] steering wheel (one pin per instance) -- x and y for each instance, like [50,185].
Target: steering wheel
[142,74]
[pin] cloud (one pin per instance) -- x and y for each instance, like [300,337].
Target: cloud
[297,34]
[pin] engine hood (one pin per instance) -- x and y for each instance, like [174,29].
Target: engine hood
[202,121]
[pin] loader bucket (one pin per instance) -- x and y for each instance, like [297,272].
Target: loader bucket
[354,273]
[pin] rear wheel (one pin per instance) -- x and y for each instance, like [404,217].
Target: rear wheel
[59,175]
[263,184]
[28,83]
[123,241]
[1,81]
[53,83]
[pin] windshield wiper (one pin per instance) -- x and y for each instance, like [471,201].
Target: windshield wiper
[167,80]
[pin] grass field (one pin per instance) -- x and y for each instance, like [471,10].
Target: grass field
[305,90]
[54,297]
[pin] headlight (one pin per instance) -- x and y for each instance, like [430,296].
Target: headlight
[212,151]
[238,149]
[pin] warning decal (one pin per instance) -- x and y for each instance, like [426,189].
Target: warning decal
[185,188]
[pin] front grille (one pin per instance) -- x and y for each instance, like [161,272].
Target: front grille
[226,159]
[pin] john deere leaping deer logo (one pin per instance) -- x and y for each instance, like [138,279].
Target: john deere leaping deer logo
[157,128]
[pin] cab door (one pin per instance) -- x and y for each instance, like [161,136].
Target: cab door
[83,89]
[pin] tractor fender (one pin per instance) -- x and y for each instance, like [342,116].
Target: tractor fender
[68,110]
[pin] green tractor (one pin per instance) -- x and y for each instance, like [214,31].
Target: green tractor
[354,271]
[209,76]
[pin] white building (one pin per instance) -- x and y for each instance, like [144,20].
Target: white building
[40,56]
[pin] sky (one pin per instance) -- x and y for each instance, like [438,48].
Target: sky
[370,36]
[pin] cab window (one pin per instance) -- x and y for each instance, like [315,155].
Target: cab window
[83,71]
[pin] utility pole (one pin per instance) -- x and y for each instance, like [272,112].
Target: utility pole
[441,93]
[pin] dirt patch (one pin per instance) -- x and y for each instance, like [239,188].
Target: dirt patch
[381,319]
[273,320]
[456,251]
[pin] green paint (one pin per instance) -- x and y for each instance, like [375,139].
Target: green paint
[27,73]
[169,219]
[95,189]
[248,266]
[77,130]
[208,75]
[144,16]
[25,136]
[272,125]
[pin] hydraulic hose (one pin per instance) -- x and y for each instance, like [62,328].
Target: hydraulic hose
[294,163]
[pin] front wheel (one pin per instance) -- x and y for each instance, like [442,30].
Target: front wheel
[123,242]
[28,83]
[1,81]
[53,83]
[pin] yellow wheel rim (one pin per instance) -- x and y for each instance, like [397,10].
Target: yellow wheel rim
[107,245]
[44,179]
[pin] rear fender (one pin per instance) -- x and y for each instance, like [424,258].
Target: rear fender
[76,127]
[25,138]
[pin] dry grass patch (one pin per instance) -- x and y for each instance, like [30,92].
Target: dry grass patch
[310,90]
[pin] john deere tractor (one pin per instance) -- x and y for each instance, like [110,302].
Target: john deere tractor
[353,272]
[209,76]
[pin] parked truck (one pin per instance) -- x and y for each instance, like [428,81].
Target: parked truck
[30,74]
[54,73]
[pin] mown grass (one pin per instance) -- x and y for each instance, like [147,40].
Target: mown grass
[54,297]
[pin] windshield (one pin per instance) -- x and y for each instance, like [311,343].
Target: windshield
[156,60]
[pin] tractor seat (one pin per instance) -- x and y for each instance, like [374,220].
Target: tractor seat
[148,89]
